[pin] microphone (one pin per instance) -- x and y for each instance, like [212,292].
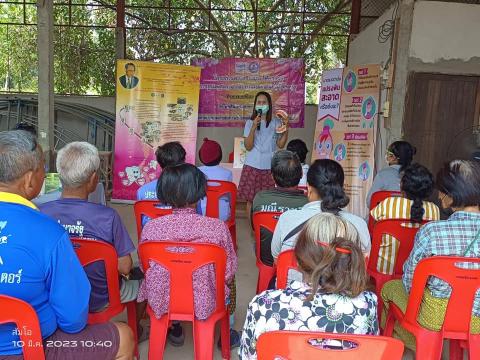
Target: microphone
[259,113]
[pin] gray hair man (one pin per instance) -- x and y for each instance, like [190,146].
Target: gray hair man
[39,265]
[77,166]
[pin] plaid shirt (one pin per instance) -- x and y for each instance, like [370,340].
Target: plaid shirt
[449,237]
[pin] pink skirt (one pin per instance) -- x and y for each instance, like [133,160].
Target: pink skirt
[252,181]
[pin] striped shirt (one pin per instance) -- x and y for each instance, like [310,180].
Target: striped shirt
[448,237]
[397,208]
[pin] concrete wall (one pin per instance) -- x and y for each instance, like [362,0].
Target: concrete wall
[223,135]
[445,38]
[366,49]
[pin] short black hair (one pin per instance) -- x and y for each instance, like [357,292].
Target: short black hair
[170,154]
[417,185]
[286,168]
[130,64]
[326,177]
[26,127]
[459,179]
[298,147]
[182,185]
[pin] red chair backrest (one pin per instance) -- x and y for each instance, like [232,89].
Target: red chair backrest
[230,157]
[181,265]
[89,251]
[267,220]
[296,345]
[150,208]
[286,261]
[464,284]
[215,190]
[25,318]
[377,198]
[399,230]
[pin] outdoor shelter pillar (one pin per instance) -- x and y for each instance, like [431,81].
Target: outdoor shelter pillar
[45,77]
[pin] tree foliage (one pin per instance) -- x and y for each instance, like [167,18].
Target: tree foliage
[173,31]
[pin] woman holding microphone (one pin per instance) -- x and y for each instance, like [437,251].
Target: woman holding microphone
[262,137]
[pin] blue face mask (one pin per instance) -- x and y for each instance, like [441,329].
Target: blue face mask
[263,108]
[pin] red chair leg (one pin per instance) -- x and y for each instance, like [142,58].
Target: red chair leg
[132,322]
[429,346]
[225,337]
[456,352]
[474,347]
[203,339]
[158,336]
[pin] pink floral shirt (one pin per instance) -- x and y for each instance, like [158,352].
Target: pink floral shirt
[186,225]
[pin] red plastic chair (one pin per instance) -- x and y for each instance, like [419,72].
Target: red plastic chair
[148,208]
[456,326]
[286,261]
[267,220]
[230,157]
[377,198]
[181,266]
[215,190]
[89,251]
[25,318]
[295,345]
[405,235]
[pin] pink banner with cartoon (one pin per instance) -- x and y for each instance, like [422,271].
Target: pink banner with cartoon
[228,87]
[346,127]
[155,104]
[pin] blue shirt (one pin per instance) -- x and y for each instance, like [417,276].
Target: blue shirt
[264,144]
[217,173]
[39,266]
[87,220]
[148,191]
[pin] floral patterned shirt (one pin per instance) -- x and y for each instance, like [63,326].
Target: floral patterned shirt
[186,226]
[287,309]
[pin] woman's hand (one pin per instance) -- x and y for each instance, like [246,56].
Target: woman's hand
[283,116]
[256,122]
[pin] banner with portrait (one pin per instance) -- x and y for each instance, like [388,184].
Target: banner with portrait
[347,135]
[228,87]
[155,104]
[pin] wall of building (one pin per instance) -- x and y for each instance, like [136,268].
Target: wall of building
[445,38]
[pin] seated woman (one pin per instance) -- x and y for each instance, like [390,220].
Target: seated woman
[416,186]
[333,296]
[182,187]
[325,194]
[399,155]
[459,235]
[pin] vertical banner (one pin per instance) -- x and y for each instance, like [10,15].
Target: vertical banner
[350,140]
[155,104]
[228,87]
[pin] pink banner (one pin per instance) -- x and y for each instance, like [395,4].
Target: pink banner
[228,87]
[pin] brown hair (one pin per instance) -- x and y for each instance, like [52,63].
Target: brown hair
[329,253]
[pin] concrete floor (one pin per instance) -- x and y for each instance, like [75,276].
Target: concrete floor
[246,284]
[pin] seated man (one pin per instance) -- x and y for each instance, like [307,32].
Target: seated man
[37,255]
[210,155]
[286,172]
[77,166]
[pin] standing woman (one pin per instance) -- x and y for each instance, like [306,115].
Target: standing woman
[262,137]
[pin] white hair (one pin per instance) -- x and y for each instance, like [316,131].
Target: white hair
[19,153]
[76,162]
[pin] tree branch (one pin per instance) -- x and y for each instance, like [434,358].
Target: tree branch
[342,4]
